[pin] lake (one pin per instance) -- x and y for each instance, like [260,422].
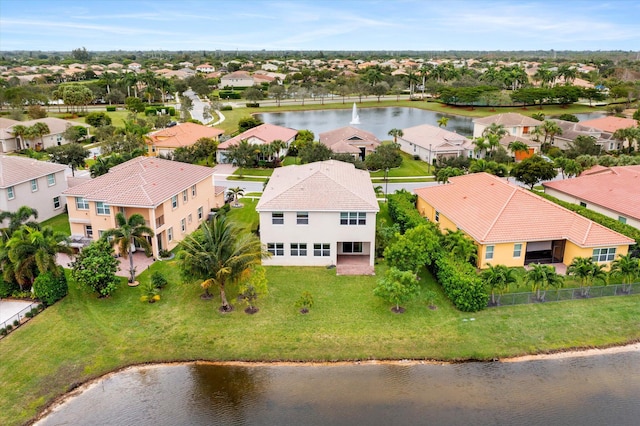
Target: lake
[581,390]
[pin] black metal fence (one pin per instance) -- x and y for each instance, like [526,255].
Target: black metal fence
[565,294]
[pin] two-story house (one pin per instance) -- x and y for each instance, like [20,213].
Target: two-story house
[28,182]
[319,214]
[173,197]
[515,124]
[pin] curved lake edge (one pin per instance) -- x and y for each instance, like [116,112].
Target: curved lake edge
[572,352]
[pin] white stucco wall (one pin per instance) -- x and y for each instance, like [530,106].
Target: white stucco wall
[41,200]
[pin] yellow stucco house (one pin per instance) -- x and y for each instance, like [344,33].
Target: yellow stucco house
[173,197]
[514,227]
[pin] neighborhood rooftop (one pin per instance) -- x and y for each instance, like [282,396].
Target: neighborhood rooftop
[508,119]
[142,181]
[491,210]
[182,135]
[326,186]
[15,170]
[266,133]
[610,124]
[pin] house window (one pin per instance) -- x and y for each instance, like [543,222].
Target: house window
[437,216]
[56,203]
[199,213]
[604,254]
[353,218]
[517,250]
[183,225]
[298,249]
[583,204]
[174,201]
[102,208]
[122,210]
[277,218]
[622,219]
[11,193]
[349,247]
[34,185]
[88,231]
[302,218]
[82,203]
[193,191]
[189,218]
[185,196]
[51,179]
[489,253]
[170,234]
[322,250]
[276,249]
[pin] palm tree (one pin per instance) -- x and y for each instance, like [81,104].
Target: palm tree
[517,146]
[498,278]
[460,246]
[32,251]
[38,130]
[443,121]
[495,129]
[235,192]
[277,146]
[396,133]
[541,277]
[18,218]
[628,268]
[481,145]
[219,254]
[629,134]
[130,232]
[587,271]
[550,130]
[19,132]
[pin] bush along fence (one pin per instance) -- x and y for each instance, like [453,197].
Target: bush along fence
[16,320]
[566,294]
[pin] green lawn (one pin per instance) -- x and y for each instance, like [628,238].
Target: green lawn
[82,337]
[59,223]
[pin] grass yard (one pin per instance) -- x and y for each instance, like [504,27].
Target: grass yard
[82,337]
[59,223]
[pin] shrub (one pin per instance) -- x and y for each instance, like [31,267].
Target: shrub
[9,327]
[253,105]
[226,108]
[19,294]
[158,280]
[111,108]
[403,211]
[3,331]
[7,288]
[40,307]
[50,288]
[305,302]
[34,311]
[171,111]
[97,119]
[164,253]
[461,284]
[16,323]
[29,314]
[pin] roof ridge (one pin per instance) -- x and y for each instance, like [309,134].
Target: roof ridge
[586,234]
[495,220]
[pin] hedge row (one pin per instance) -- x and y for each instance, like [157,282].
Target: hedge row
[402,209]
[154,110]
[461,283]
[603,220]
[230,94]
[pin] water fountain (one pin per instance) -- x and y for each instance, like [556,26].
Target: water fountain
[355,118]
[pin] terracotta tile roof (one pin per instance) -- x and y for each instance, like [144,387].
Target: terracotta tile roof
[436,138]
[342,140]
[15,170]
[322,186]
[614,188]
[265,133]
[493,211]
[508,119]
[610,123]
[142,181]
[181,135]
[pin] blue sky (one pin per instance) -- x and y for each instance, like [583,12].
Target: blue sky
[320,25]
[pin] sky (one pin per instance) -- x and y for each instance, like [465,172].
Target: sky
[384,25]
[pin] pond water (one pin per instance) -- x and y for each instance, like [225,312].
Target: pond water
[377,120]
[583,390]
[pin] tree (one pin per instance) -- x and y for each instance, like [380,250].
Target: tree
[253,94]
[628,268]
[129,233]
[380,89]
[587,271]
[313,152]
[95,267]
[386,156]
[134,105]
[278,93]
[36,111]
[532,170]
[81,55]
[97,119]
[253,288]
[630,134]
[396,133]
[569,117]
[32,251]
[414,249]
[305,302]
[70,154]
[498,278]
[397,287]
[19,132]
[17,219]
[50,287]
[445,173]
[247,123]
[74,95]
[443,121]
[75,133]
[517,146]
[460,246]
[541,277]
[243,154]
[550,130]
[582,145]
[219,254]
[235,192]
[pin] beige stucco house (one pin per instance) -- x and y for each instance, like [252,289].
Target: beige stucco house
[236,79]
[319,214]
[182,135]
[57,127]
[173,197]
[263,134]
[431,142]
[515,124]
[32,183]
[350,140]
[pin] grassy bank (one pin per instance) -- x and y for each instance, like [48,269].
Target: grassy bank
[82,337]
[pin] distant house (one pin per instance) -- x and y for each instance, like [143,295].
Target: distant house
[610,123]
[236,79]
[263,134]
[431,142]
[515,227]
[612,191]
[173,197]
[28,182]
[205,68]
[165,141]
[57,127]
[515,124]
[571,130]
[135,66]
[319,214]
[350,140]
